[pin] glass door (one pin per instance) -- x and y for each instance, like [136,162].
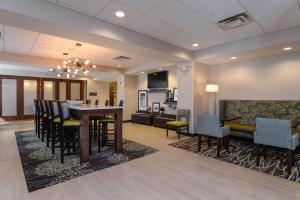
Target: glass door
[8,97]
[30,93]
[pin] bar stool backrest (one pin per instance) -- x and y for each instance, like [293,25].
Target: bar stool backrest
[88,102]
[53,106]
[63,110]
[41,102]
[36,107]
[47,107]
[121,103]
[96,102]
[106,103]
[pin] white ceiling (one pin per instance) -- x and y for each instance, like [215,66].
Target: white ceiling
[184,22]
[26,42]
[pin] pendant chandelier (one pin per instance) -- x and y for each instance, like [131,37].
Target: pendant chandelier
[73,66]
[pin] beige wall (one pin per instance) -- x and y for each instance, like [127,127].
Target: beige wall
[102,89]
[200,103]
[274,77]
[130,96]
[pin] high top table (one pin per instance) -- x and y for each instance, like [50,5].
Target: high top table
[85,111]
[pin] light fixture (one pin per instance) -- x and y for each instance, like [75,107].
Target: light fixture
[70,67]
[195,44]
[213,88]
[160,68]
[142,72]
[287,48]
[233,58]
[120,14]
[51,70]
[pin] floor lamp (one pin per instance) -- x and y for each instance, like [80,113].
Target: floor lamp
[213,88]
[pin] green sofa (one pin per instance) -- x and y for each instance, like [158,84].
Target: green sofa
[249,110]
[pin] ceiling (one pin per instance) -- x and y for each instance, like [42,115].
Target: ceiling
[185,22]
[26,42]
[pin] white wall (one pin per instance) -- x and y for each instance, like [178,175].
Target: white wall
[102,89]
[159,96]
[269,78]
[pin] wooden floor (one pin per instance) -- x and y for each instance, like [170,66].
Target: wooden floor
[168,174]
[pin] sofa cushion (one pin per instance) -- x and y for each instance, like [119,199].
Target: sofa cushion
[247,128]
[177,123]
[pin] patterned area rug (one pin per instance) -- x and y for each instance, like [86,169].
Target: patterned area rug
[42,169]
[243,153]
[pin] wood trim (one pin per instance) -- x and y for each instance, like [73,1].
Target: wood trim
[40,92]
[20,97]
[57,90]
[42,89]
[0,96]
[81,90]
[68,90]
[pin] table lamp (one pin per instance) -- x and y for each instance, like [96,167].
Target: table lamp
[213,88]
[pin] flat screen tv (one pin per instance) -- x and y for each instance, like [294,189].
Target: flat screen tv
[158,80]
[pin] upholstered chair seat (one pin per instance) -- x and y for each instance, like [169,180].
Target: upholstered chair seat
[177,123]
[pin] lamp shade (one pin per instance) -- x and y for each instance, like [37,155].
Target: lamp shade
[211,88]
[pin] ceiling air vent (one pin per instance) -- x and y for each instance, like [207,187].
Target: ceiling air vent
[122,58]
[233,22]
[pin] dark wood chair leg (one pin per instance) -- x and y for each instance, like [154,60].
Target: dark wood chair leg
[227,143]
[208,142]
[99,141]
[62,148]
[178,132]
[199,143]
[257,154]
[167,131]
[290,160]
[218,147]
[188,129]
[53,132]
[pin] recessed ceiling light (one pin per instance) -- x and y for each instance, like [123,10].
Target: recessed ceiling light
[142,72]
[287,48]
[94,66]
[195,45]
[160,68]
[120,14]
[233,58]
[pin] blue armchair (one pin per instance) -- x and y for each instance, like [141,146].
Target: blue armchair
[209,125]
[275,133]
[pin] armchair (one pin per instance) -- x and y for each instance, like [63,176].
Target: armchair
[209,125]
[276,133]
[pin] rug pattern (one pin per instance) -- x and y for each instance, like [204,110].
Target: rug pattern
[243,153]
[42,169]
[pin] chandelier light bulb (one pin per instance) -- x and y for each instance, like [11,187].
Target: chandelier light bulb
[58,75]
[58,67]
[69,70]
[65,62]
[76,59]
[94,66]
[86,62]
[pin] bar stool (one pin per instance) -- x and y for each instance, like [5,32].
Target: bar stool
[69,130]
[37,118]
[55,122]
[105,121]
